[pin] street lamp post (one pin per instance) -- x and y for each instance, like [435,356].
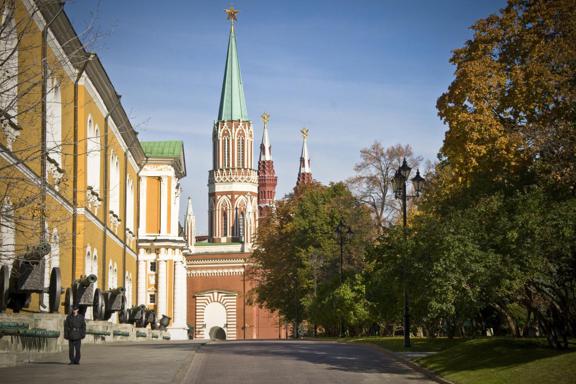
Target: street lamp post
[344,232]
[399,185]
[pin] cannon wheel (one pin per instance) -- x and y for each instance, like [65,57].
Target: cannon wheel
[124,316]
[98,306]
[4,287]
[68,301]
[107,314]
[55,290]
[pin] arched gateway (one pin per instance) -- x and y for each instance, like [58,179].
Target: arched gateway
[216,315]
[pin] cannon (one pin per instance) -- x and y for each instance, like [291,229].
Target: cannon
[164,322]
[82,293]
[25,277]
[150,318]
[115,301]
[138,316]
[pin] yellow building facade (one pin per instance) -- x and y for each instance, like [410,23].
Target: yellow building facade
[73,173]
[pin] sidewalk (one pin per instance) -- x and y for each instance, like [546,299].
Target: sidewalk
[122,363]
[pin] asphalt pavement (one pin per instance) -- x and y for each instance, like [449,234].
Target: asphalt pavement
[237,362]
[297,362]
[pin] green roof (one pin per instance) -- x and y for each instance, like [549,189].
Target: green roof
[232,102]
[170,149]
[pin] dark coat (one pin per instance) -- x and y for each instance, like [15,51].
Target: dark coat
[74,327]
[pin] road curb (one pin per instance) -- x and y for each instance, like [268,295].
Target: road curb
[185,370]
[418,368]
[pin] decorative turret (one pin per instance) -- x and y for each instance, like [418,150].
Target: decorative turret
[267,179]
[305,172]
[190,226]
[232,182]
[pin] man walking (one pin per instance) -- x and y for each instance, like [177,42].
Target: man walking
[74,332]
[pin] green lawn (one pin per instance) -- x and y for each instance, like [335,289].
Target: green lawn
[490,360]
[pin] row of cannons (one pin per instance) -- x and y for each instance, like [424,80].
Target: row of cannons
[27,275]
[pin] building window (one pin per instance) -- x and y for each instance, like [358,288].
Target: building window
[226,153]
[54,121]
[93,156]
[240,152]
[9,73]
[130,204]
[241,225]
[225,224]
[114,184]
[7,233]
[152,298]
[152,266]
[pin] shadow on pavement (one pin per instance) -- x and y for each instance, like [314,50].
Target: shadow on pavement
[344,357]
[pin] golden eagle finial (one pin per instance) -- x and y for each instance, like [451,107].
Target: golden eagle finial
[231,14]
[265,118]
[304,132]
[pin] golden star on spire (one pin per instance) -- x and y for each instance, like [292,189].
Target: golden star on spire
[231,14]
[265,118]
[304,132]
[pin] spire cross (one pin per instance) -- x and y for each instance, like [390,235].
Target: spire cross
[265,118]
[304,132]
[232,14]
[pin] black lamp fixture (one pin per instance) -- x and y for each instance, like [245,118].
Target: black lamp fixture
[399,186]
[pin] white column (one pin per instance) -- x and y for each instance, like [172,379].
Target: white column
[162,297]
[142,224]
[184,288]
[142,277]
[163,204]
[177,320]
[175,209]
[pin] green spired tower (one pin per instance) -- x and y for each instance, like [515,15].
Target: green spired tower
[232,182]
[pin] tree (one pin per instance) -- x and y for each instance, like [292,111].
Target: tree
[375,171]
[510,109]
[298,257]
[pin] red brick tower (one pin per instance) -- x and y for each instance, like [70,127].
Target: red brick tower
[305,172]
[267,179]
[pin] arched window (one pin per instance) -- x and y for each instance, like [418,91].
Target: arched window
[225,223]
[240,140]
[51,260]
[9,72]
[128,287]
[226,144]
[95,262]
[110,275]
[115,276]
[88,262]
[241,225]
[54,120]
[130,204]
[114,183]
[7,233]
[93,155]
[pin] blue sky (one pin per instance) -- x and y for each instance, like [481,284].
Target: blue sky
[351,71]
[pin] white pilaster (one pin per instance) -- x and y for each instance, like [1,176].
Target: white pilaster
[141,277]
[142,224]
[175,212]
[163,205]
[161,305]
[179,328]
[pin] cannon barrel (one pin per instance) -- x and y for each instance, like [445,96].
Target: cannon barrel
[37,252]
[87,280]
[117,291]
[164,321]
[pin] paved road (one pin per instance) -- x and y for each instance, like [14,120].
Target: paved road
[258,362]
[123,363]
[296,362]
